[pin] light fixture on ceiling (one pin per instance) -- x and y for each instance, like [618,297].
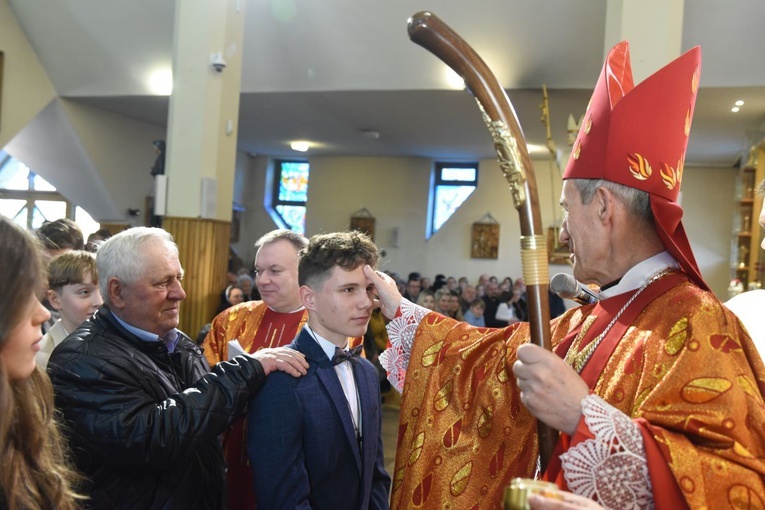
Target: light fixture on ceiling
[739,103]
[735,109]
[370,134]
[160,81]
[300,146]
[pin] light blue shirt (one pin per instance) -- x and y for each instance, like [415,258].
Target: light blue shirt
[170,340]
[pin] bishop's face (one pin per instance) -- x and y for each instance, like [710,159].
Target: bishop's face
[584,235]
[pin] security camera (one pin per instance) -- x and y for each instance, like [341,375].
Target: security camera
[217,62]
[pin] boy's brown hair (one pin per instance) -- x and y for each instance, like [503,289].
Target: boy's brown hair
[71,267]
[347,250]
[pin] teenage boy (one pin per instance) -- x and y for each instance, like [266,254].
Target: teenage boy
[315,442]
[73,293]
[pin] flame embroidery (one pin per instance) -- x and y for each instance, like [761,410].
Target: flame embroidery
[639,166]
[680,166]
[687,128]
[695,80]
[577,149]
[668,175]
[588,125]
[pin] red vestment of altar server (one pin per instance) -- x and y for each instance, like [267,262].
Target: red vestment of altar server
[683,369]
[256,326]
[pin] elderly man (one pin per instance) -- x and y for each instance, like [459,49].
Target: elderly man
[272,322]
[656,389]
[143,409]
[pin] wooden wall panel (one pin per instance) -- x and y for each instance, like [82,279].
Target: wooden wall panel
[203,247]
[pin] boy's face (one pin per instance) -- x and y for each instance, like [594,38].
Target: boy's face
[76,302]
[341,307]
[477,310]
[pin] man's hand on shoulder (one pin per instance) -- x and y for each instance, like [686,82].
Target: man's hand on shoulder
[284,359]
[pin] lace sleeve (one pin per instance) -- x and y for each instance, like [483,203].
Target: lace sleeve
[401,329]
[611,468]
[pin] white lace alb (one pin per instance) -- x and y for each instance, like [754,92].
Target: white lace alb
[611,468]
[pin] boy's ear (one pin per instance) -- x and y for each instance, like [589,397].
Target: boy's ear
[307,297]
[54,299]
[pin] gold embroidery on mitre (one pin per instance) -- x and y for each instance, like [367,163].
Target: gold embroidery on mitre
[680,166]
[588,125]
[687,127]
[577,149]
[677,336]
[417,443]
[443,396]
[485,421]
[460,479]
[704,389]
[431,354]
[639,167]
[668,175]
[695,80]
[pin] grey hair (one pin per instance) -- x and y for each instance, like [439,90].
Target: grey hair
[118,257]
[297,240]
[638,202]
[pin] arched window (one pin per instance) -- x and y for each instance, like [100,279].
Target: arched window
[30,200]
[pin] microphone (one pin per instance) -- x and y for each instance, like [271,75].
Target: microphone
[567,287]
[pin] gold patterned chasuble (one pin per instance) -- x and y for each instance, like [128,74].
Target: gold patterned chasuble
[685,369]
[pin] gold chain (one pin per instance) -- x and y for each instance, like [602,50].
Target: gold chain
[578,359]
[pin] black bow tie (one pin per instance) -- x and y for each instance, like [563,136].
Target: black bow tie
[343,355]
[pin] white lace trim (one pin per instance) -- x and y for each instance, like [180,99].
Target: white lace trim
[401,330]
[612,468]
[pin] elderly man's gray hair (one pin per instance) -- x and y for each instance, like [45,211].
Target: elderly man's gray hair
[118,257]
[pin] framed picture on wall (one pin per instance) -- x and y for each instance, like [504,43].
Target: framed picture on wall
[484,240]
[557,253]
[363,221]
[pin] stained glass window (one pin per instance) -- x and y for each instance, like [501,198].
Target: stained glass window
[291,193]
[453,184]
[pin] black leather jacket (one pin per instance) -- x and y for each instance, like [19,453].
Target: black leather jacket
[144,423]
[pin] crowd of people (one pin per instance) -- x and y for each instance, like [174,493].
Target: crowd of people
[654,393]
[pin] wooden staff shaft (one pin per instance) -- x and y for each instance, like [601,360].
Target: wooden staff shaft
[427,30]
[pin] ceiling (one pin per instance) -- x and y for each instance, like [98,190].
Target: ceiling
[327,70]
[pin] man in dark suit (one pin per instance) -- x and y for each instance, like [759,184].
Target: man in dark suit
[315,442]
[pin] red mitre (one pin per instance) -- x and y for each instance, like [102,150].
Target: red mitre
[637,136]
